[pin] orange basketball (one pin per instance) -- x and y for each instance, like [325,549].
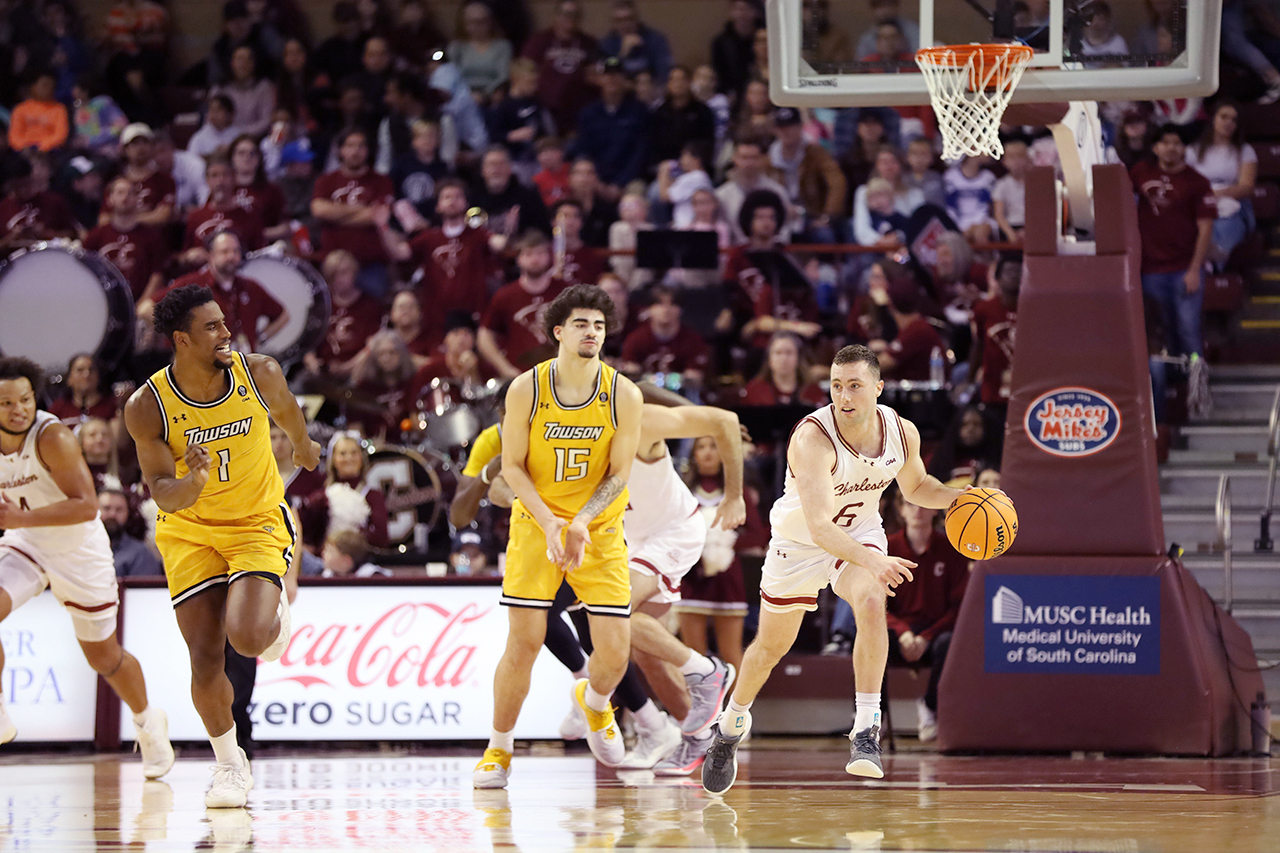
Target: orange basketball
[982,524]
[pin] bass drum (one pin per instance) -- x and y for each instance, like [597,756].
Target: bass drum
[411,483]
[297,286]
[57,300]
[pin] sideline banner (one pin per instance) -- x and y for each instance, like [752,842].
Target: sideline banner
[364,663]
[49,689]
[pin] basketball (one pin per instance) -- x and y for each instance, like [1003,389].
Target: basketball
[982,524]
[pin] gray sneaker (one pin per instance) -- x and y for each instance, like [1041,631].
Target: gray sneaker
[864,754]
[706,696]
[720,768]
[687,758]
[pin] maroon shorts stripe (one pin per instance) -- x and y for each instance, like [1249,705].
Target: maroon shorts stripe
[782,602]
[650,566]
[21,553]
[94,609]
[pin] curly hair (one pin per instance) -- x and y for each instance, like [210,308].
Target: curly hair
[588,296]
[173,313]
[17,367]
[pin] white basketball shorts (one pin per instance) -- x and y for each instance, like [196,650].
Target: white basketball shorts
[794,573]
[82,577]
[669,555]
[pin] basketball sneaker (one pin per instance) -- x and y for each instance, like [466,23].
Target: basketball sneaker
[720,768]
[652,747]
[687,758]
[706,696]
[276,649]
[603,735]
[493,769]
[574,725]
[153,742]
[231,785]
[8,731]
[864,754]
[928,729]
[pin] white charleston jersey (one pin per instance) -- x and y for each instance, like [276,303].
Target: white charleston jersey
[26,481]
[859,480]
[659,499]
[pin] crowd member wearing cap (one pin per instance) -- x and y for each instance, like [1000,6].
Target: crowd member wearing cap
[907,356]
[614,132]
[219,129]
[136,249]
[81,186]
[297,178]
[749,173]
[565,55]
[40,121]
[156,189]
[30,211]
[459,105]
[814,181]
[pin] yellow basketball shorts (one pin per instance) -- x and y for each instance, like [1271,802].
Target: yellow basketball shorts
[602,583]
[199,556]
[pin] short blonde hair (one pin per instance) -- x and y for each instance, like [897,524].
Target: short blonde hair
[335,259]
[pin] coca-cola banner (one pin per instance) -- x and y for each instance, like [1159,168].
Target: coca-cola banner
[364,663]
[49,689]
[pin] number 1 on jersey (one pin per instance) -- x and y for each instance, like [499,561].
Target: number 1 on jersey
[224,466]
[571,463]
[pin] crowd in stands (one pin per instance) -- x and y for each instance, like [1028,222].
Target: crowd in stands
[449,179]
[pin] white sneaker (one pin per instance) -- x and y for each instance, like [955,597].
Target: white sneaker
[928,722]
[8,731]
[653,747]
[603,735]
[231,785]
[493,769]
[153,742]
[276,649]
[574,725]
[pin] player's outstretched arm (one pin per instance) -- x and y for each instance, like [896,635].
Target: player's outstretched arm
[811,459]
[145,423]
[917,485]
[660,423]
[61,454]
[284,408]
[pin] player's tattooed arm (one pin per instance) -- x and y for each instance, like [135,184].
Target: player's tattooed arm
[606,493]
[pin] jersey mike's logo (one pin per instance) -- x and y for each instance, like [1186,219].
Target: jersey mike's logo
[554,430]
[1072,422]
[201,435]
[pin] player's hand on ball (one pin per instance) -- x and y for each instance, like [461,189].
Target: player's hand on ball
[555,547]
[307,456]
[890,571]
[199,463]
[10,513]
[730,514]
[575,545]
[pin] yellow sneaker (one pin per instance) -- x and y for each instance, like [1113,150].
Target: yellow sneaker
[602,730]
[493,769]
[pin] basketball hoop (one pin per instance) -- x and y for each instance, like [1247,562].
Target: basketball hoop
[970,86]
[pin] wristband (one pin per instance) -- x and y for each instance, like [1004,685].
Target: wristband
[484,475]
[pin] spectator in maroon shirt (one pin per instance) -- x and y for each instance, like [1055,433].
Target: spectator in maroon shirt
[244,301]
[254,192]
[457,363]
[348,465]
[511,337]
[574,262]
[220,213]
[406,320]
[922,616]
[353,318]
[344,201]
[783,379]
[298,482]
[908,355]
[136,249]
[1176,211]
[993,326]
[84,397]
[564,54]
[30,212]
[157,193]
[664,344]
[384,378]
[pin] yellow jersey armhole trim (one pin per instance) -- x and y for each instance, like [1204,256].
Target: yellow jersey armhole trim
[244,363]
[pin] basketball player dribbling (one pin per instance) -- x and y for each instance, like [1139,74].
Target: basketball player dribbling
[203,432]
[53,537]
[826,529]
[569,437]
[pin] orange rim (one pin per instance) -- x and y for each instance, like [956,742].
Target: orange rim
[1003,56]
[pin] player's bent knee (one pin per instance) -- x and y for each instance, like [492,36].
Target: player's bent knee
[249,637]
[105,658]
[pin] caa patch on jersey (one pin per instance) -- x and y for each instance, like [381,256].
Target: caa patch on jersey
[1072,422]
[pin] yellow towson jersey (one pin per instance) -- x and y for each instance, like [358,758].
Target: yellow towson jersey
[569,445]
[236,431]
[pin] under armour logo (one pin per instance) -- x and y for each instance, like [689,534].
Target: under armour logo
[181,417]
[544,405]
[269,528]
[160,517]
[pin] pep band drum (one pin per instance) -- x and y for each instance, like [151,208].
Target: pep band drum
[412,486]
[297,286]
[57,299]
[451,414]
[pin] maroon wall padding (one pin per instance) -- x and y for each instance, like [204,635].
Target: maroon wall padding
[1190,708]
[1080,325]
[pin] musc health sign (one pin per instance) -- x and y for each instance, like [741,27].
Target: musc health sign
[1072,624]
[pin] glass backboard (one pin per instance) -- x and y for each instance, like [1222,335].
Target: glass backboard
[848,53]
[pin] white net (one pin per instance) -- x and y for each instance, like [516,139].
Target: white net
[970,86]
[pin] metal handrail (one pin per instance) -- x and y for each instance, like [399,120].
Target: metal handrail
[1222,515]
[1264,542]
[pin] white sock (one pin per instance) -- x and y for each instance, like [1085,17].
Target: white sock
[596,701]
[505,741]
[225,748]
[697,664]
[733,721]
[140,719]
[867,711]
[648,718]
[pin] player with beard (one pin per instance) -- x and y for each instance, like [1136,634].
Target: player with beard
[202,430]
[53,537]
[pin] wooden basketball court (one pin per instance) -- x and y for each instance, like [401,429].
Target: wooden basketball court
[791,794]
